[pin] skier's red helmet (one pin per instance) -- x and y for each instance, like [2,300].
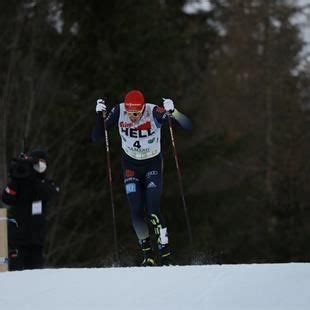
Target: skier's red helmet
[134,101]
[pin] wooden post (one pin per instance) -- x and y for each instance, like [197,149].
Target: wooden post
[3,240]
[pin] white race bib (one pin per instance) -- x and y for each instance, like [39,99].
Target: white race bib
[140,140]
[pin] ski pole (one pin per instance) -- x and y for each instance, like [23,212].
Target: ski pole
[116,253]
[189,229]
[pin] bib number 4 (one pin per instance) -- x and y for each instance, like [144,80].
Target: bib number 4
[137,144]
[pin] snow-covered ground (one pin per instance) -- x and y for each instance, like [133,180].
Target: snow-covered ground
[213,287]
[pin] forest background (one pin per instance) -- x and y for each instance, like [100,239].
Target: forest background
[239,70]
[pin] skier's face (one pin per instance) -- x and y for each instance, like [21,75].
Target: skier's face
[134,115]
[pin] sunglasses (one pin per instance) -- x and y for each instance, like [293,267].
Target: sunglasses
[134,113]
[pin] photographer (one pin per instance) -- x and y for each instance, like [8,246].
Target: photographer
[27,194]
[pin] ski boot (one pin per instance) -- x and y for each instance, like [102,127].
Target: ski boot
[147,251]
[165,255]
[162,240]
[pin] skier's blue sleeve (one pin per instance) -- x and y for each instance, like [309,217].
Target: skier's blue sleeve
[111,120]
[159,115]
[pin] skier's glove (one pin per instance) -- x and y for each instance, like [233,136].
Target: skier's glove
[101,107]
[168,105]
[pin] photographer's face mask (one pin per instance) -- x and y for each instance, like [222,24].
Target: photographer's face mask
[40,166]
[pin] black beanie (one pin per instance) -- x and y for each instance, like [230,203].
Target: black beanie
[38,154]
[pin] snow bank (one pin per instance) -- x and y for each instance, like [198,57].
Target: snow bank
[214,287]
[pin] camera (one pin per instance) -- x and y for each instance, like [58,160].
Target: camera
[22,167]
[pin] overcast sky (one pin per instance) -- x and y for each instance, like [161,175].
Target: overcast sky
[302,19]
[305,18]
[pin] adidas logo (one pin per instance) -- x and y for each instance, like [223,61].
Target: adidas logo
[151,185]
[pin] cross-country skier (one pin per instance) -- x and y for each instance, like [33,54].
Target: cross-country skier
[139,125]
